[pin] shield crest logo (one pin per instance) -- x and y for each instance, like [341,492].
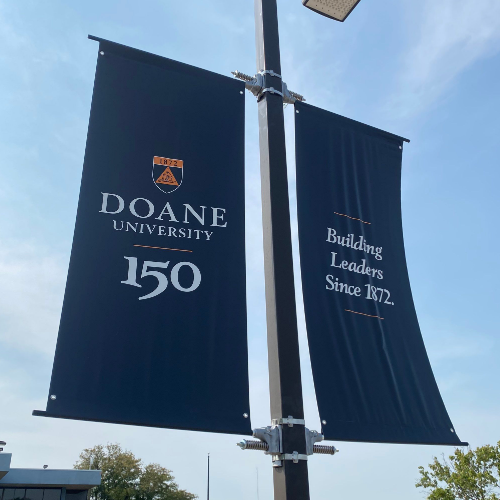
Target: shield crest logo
[168,174]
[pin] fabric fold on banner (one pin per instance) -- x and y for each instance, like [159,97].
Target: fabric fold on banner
[153,326]
[373,379]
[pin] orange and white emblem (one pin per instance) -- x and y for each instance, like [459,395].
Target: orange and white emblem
[168,174]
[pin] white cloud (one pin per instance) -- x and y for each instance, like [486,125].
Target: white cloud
[448,37]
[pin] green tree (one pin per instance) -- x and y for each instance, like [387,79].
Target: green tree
[124,477]
[469,475]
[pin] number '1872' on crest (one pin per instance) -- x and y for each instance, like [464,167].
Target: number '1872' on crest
[167,173]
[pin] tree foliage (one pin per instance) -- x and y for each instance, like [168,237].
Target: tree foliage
[124,477]
[469,475]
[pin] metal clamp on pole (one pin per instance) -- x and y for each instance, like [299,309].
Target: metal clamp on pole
[270,72]
[294,457]
[271,90]
[271,443]
[271,435]
[290,421]
[255,84]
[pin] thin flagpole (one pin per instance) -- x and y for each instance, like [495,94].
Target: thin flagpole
[208,477]
[257,471]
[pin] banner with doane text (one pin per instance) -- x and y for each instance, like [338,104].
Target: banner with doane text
[153,326]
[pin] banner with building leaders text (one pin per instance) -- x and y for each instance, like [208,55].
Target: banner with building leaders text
[373,379]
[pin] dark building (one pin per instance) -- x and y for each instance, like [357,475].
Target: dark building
[45,484]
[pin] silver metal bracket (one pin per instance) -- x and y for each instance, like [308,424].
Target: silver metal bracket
[271,90]
[255,84]
[272,436]
[295,457]
[312,437]
[270,72]
[270,441]
[290,421]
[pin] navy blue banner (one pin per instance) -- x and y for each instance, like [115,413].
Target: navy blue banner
[372,375]
[153,327]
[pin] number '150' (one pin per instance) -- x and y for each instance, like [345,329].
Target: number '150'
[160,276]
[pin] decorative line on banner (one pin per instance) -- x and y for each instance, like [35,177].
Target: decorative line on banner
[354,218]
[363,314]
[163,248]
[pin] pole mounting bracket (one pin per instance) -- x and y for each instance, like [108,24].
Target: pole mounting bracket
[270,72]
[294,457]
[290,421]
[270,441]
[255,84]
[271,90]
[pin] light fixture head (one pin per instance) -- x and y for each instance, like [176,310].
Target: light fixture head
[334,9]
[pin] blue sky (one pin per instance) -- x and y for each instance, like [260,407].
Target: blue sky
[421,69]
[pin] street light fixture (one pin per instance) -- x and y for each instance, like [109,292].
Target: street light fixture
[334,9]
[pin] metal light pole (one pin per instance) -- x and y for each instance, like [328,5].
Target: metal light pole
[291,480]
[287,440]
